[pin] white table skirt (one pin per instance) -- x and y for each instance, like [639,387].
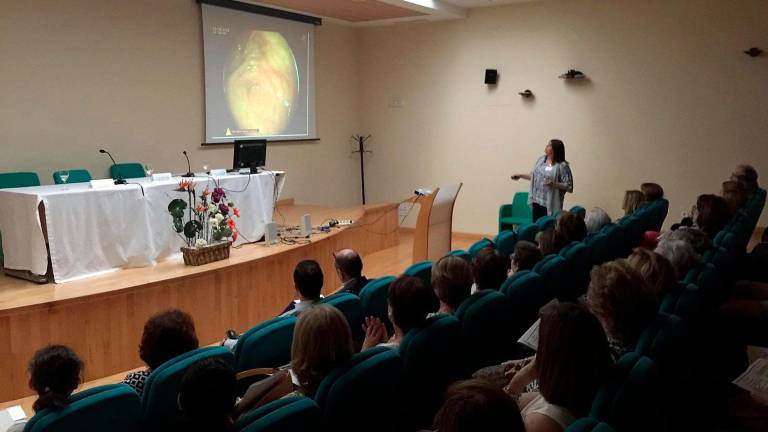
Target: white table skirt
[92,231]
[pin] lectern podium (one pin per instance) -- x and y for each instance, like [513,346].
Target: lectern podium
[432,236]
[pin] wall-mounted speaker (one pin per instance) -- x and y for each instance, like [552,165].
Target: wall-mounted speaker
[491,76]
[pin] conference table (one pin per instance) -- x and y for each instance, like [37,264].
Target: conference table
[88,231]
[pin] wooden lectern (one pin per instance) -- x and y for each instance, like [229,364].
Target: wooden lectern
[432,236]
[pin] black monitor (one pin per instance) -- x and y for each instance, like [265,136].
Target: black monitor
[250,153]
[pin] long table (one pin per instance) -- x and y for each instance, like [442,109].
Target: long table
[88,231]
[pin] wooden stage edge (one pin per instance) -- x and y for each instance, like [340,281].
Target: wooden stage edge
[102,317]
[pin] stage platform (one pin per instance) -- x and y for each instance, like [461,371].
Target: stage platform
[102,317]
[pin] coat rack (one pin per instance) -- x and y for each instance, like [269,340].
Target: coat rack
[361,140]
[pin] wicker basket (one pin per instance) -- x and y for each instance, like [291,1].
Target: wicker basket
[206,254]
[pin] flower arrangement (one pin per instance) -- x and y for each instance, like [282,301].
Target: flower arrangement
[209,220]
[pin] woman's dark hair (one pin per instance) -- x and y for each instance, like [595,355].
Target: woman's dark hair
[573,357]
[207,393]
[734,194]
[452,280]
[526,255]
[652,191]
[54,373]
[476,405]
[410,301]
[167,335]
[571,227]
[713,214]
[490,268]
[558,150]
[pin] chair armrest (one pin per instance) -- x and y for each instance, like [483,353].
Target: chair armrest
[505,210]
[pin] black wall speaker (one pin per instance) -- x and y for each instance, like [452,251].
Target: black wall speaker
[491,76]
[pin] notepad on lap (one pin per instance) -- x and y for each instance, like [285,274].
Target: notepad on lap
[11,415]
[531,336]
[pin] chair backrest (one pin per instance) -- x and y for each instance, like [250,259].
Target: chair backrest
[527,232]
[461,253]
[421,270]
[551,269]
[589,424]
[527,294]
[350,305]
[114,407]
[578,263]
[267,345]
[127,170]
[354,394]
[18,179]
[616,237]
[75,176]
[374,298]
[520,205]
[505,242]
[546,222]
[666,342]
[579,211]
[487,320]
[159,403]
[600,247]
[478,245]
[287,414]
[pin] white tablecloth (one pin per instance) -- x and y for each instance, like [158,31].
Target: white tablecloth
[91,231]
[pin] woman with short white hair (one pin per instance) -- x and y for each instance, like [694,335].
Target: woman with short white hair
[596,219]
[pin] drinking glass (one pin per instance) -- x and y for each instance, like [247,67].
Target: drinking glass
[64,176]
[148,169]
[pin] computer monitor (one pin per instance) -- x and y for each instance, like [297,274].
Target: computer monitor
[250,153]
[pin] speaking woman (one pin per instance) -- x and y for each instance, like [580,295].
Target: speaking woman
[550,179]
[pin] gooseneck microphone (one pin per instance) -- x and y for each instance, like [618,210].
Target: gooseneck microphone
[189,166]
[119,179]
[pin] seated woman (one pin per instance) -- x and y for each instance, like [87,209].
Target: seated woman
[680,253]
[474,406]
[452,282]
[619,297]
[525,257]
[490,268]
[633,200]
[572,362]
[596,219]
[166,335]
[734,194]
[569,228]
[711,214]
[207,394]
[546,241]
[657,271]
[54,373]
[652,191]
[409,304]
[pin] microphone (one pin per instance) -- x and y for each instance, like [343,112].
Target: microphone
[119,179]
[189,167]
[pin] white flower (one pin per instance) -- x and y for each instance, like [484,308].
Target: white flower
[213,221]
[201,242]
[219,217]
[212,207]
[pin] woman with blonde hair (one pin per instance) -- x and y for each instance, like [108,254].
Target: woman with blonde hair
[633,200]
[452,282]
[657,271]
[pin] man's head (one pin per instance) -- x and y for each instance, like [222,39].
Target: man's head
[348,264]
[308,279]
[747,176]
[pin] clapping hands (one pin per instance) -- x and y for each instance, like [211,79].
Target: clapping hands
[375,332]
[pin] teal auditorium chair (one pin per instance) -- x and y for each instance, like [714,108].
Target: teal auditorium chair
[546,222]
[433,357]
[616,244]
[579,211]
[505,242]
[517,213]
[527,294]
[421,270]
[352,396]
[486,318]
[14,180]
[578,263]
[551,269]
[75,176]
[127,170]
[267,345]
[287,414]
[659,214]
[588,424]
[374,298]
[114,408]
[350,305]
[159,404]
[527,232]
[599,243]
[461,254]
[479,245]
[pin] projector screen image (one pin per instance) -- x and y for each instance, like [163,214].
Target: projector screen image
[258,76]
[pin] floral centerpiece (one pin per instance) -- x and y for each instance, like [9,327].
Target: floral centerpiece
[204,222]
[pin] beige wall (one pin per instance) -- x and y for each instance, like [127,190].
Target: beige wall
[79,75]
[671,98]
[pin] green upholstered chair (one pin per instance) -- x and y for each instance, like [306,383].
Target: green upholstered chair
[114,408]
[14,180]
[374,298]
[478,245]
[505,242]
[578,263]
[551,269]
[461,254]
[546,222]
[616,240]
[659,214]
[600,246]
[527,294]
[75,176]
[288,414]
[433,356]
[354,393]
[159,403]
[579,211]
[421,270]
[267,345]
[488,323]
[127,170]
[527,232]
[350,305]
[589,424]
[517,213]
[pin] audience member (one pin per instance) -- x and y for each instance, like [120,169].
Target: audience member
[652,191]
[452,282]
[734,194]
[711,214]
[490,269]
[633,200]
[746,312]
[54,373]
[680,254]
[546,241]
[207,394]
[571,363]
[697,238]
[620,299]
[657,271]
[477,406]
[525,257]
[757,260]
[569,228]
[322,340]
[410,301]
[349,268]
[596,219]
[166,335]
[746,175]
[308,282]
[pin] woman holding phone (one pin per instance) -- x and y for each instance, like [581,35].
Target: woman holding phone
[550,178]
